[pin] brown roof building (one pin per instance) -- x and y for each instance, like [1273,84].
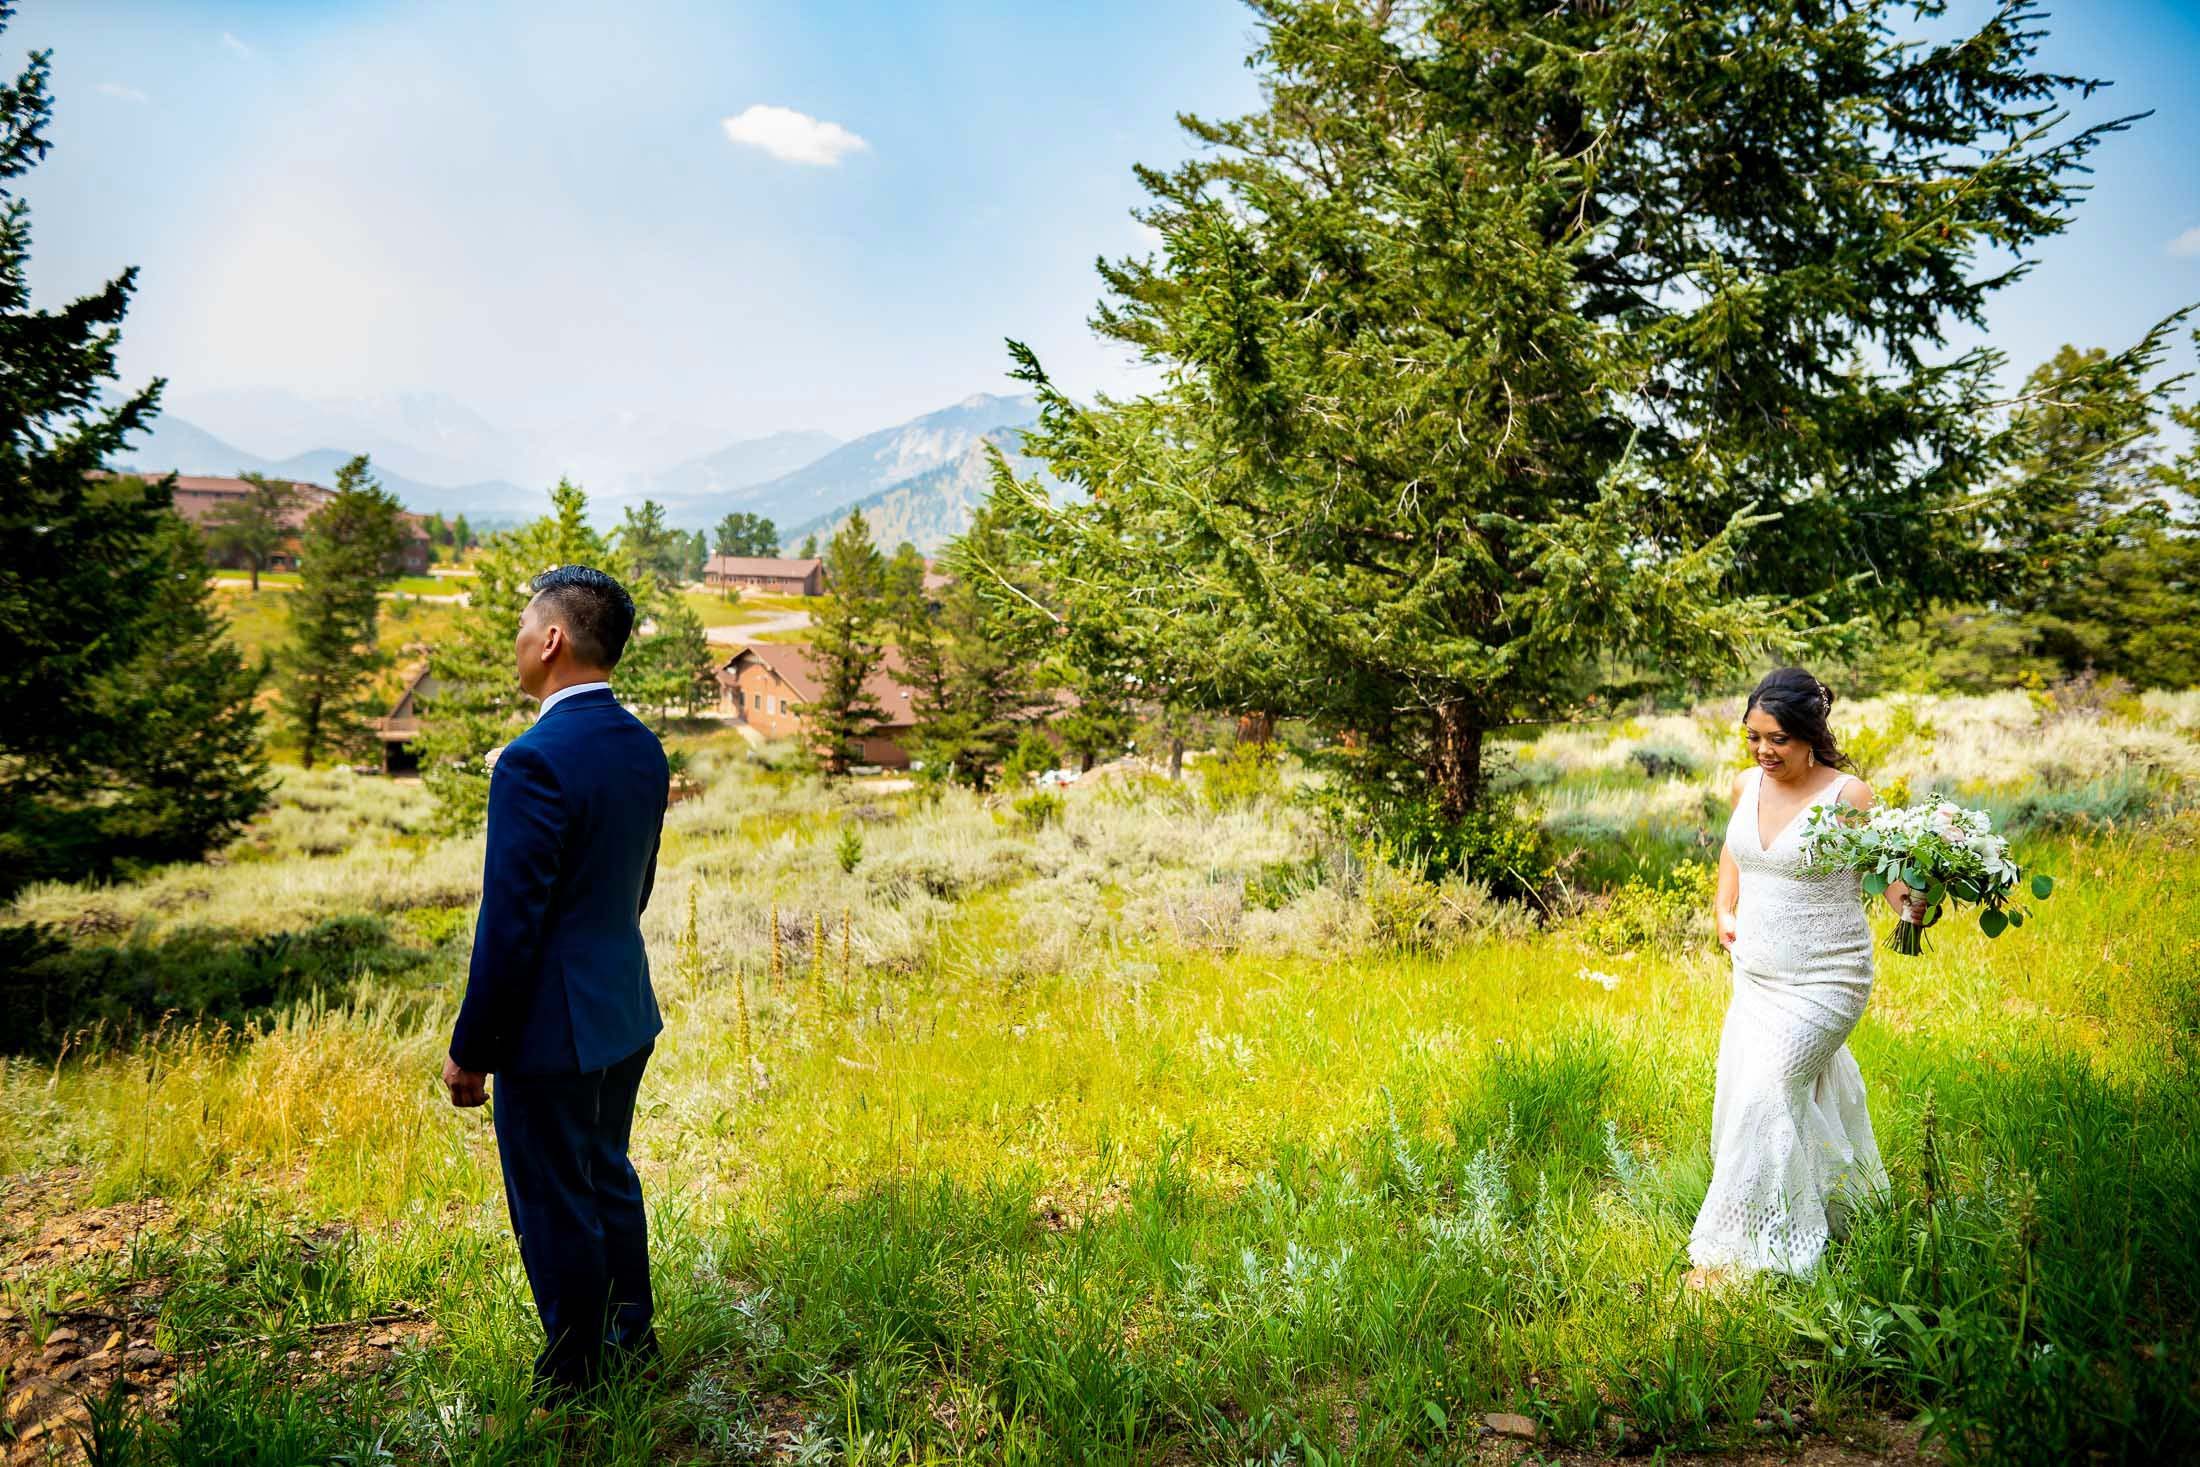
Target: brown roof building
[199,496]
[401,726]
[767,573]
[765,684]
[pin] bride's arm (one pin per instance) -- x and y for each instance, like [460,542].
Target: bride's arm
[1730,893]
[1730,881]
[1858,794]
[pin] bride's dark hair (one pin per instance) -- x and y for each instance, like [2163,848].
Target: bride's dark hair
[1802,705]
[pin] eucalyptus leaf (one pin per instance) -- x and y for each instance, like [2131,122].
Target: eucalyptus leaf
[1991,921]
[2043,886]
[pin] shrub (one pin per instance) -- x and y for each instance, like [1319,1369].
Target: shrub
[49,989]
[1905,733]
[1670,912]
[1279,883]
[1039,809]
[1665,761]
[1247,775]
[2117,799]
[1032,756]
[1494,843]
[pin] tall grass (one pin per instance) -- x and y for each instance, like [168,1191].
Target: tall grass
[1164,1133]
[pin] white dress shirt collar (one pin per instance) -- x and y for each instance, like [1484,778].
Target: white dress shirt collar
[564,693]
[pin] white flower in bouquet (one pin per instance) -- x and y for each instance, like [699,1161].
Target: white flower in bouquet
[1940,851]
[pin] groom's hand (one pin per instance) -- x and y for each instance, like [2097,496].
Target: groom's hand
[467,1087]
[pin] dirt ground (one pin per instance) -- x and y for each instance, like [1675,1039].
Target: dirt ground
[57,1356]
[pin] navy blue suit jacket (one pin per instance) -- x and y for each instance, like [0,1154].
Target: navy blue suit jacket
[560,983]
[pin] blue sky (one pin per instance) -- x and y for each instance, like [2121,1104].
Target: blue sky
[538,208]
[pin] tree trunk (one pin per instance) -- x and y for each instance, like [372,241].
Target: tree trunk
[1256,726]
[255,568]
[1090,758]
[1176,757]
[1456,766]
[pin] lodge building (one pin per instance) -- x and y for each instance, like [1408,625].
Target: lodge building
[198,498]
[804,577]
[765,684]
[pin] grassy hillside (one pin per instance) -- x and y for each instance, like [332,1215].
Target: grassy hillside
[1174,1128]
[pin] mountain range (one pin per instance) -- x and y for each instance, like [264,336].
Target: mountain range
[862,468]
[429,450]
[932,508]
[178,444]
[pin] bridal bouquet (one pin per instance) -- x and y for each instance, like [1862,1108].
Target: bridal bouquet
[1940,852]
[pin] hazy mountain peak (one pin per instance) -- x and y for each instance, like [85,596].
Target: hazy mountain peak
[862,467]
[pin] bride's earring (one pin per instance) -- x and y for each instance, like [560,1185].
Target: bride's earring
[1810,757]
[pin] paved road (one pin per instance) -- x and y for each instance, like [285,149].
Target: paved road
[748,631]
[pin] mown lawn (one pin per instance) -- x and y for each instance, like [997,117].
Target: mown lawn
[1167,1131]
[716,611]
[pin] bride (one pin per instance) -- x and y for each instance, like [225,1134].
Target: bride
[1791,1139]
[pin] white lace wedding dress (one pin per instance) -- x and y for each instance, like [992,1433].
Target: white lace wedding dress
[1791,1139]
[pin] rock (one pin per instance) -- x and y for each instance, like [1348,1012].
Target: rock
[61,1336]
[142,1356]
[113,1340]
[1506,1423]
[382,1339]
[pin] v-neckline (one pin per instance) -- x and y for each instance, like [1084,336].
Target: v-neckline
[1757,818]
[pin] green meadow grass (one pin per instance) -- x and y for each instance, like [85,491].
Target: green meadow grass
[750,605]
[1106,1142]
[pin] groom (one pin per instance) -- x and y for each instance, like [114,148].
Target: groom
[558,1004]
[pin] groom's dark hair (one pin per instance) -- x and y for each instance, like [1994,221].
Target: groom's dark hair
[595,610]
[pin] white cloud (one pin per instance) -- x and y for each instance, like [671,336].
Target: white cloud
[121,92]
[232,44]
[2186,245]
[793,137]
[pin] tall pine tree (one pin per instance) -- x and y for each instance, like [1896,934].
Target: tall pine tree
[476,704]
[1506,342]
[130,732]
[846,645]
[254,526]
[976,665]
[325,670]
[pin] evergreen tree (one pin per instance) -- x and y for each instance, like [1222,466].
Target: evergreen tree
[130,733]
[975,664]
[327,667]
[254,527]
[903,590]
[1508,342]
[2102,581]
[648,545]
[477,704]
[845,645]
[809,547]
[668,666]
[462,535]
[742,533]
[1097,718]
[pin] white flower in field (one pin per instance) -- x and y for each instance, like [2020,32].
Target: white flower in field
[1606,981]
